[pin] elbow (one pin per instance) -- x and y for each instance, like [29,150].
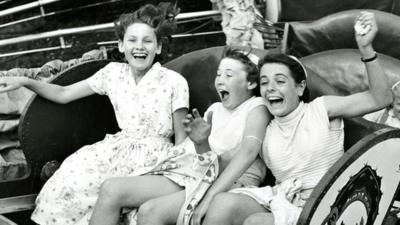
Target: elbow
[387,99]
[63,97]
[384,100]
[250,154]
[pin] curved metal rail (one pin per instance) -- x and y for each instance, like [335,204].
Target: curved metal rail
[86,29]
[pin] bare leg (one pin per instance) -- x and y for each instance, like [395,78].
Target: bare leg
[260,219]
[116,193]
[161,211]
[231,209]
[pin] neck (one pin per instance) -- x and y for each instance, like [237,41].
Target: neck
[138,74]
[293,114]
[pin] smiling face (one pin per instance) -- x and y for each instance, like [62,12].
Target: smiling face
[279,88]
[231,83]
[140,46]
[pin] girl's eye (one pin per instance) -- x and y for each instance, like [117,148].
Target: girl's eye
[148,41]
[229,75]
[280,81]
[263,82]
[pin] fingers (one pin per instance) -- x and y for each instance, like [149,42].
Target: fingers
[366,19]
[196,218]
[196,113]
[6,88]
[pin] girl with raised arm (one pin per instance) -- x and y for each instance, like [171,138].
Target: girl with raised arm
[303,140]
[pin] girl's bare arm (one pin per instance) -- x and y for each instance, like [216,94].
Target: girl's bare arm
[52,92]
[379,95]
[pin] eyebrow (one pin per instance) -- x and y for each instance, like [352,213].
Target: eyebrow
[134,35]
[231,70]
[277,74]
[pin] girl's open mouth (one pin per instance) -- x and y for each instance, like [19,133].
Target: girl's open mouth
[275,101]
[140,56]
[224,95]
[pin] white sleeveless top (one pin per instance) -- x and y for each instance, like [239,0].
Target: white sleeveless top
[228,129]
[303,145]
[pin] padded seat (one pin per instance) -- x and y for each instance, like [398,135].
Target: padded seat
[50,131]
[343,69]
[336,32]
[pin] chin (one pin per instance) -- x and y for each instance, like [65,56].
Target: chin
[278,113]
[141,66]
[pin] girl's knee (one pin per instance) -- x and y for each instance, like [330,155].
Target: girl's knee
[221,209]
[109,190]
[224,201]
[148,214]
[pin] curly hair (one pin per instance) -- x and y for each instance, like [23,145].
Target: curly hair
[297,70]
[160,17]
[250,66]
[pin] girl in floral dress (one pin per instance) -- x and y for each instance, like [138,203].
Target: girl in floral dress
[238,125]
[149,101]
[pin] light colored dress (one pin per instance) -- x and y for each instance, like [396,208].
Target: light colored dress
[144,114]
[299,149]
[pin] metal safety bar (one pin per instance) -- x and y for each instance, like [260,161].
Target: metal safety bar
[27,6]
[85,29]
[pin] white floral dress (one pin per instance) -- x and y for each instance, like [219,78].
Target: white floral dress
[144,114]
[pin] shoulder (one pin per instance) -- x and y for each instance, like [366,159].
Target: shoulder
[316,105]
[215,106]
[317,101]
[112,67]
[172,75]
[256,101]
[115,65]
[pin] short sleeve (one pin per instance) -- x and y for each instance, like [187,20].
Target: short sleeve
[317,106]
[209,109]
[180,93]
[98,82]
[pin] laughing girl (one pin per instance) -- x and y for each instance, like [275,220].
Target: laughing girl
[304,139]
[149,101]
[233,130]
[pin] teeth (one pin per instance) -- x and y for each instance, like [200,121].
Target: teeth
[142,55]
[274,98]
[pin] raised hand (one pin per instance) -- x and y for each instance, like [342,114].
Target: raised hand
[365,27]
[197,128]
[10,83]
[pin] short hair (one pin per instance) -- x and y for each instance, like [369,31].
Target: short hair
[297,70]
[250,67]
[160,17]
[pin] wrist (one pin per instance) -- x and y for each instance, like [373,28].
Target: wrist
[24,81]
[369,59]
[202,147]
[367,52]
